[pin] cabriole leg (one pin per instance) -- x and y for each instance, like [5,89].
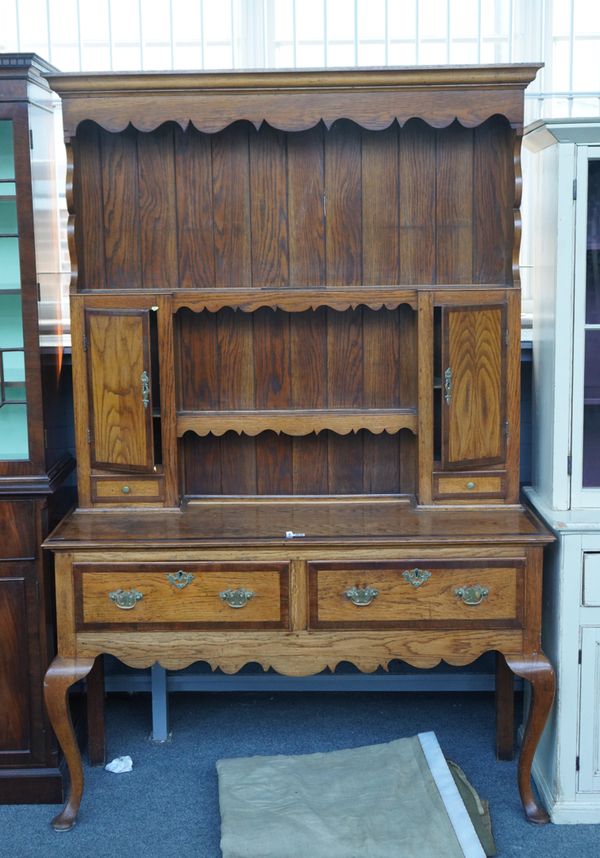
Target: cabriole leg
[538,671]
[60,676]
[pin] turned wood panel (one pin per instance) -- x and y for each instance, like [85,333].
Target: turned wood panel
[270,464]
[473,420]
[14,667]
[120,422]
[198,602]
[17,529]
[275,360]
[272,209]
[434,600]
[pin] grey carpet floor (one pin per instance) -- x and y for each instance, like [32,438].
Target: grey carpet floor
[167,807]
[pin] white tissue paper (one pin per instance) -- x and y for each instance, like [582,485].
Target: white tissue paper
[119,765]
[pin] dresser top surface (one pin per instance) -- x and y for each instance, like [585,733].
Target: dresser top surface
[227,524]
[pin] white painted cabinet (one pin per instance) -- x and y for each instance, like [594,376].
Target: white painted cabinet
[564,206]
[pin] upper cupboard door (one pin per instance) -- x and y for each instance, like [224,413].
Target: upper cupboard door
[118,344]
[473,386]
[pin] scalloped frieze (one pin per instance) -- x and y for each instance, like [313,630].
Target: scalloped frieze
[296,300]
[299,653]
[371,110]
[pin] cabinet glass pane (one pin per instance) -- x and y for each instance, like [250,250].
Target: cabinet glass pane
[592,286]
[14,441]
[7,154]
[8,217]
[10,270]
[591,411]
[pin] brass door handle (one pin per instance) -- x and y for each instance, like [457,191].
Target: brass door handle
[145,379]
[448,385]
[125,599]
[361,596]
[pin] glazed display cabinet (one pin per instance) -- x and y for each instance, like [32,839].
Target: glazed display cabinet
[565,198]
[32,466]
[296,347]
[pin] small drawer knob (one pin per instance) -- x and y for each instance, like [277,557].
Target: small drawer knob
[125,490]
[471,484]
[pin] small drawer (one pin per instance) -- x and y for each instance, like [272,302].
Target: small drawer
[125,490]
[162,595]
[468,485]
[17,530]
[421,593]
[591,579]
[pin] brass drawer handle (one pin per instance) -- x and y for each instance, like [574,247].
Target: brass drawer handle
[180,579]
[472,595]
[361,596]
[416,577]
[125,599]
[237,598]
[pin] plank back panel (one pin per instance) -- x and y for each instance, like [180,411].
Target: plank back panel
[276,360]
[272,359]
[195,216]
[306,216]
[270,464]
[89,205]
[417,203]
[231,205]
[269,208]
[494,183]
[158,219]
[121,210]
[343,204]
[380,207]
[454,205]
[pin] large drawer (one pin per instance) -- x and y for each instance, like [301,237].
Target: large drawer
[202,594]
[438,593]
